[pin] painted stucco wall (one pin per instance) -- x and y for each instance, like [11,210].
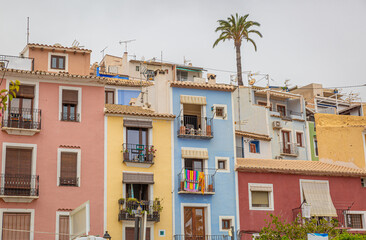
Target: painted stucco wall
[264,148]
[53,134]
[223,202]
[341,139]
[312,136]
[286,196]
[78,63]
[161,139]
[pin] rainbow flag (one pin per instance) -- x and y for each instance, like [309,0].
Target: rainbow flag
[191,180]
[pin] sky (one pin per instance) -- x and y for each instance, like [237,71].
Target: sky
[304,41]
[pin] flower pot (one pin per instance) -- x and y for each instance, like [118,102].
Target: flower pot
[121,201]
[150,157]
[208,130]
[210,188]
[182,185]
[182,130]
[126,156]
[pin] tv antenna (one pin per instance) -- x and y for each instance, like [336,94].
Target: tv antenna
[185,60]
[126,42]
[76,44]
[27,30]
[103,51]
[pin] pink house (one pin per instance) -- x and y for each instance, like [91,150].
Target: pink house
[289,188]
[52,145]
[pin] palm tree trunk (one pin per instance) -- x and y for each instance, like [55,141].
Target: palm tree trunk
[238,65]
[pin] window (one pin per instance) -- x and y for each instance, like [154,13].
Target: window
[221,164]
[109,96]
[281,109]
[354,221]
[254,146]
[21,109]
[69,105]
[261,103]
[220,111]
[260,196]
[138,191]
[150,74]
[20,222]
[68,167]
[299,139]
[182,75]
[57,62]
[226,224]
[63,227]
[315,146]
[193,164]
[137,68]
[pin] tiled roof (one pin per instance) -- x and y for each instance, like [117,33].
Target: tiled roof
[134,110]
[253,135]
[216,87]
[101,80]
[301,167]
[56,46]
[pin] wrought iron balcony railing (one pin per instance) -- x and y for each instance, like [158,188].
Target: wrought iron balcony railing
[67,181]
[14,62]
[239,152]
[201,237]
[289,149]
[19,185]
[25,118]
[192,184]
[195,127]
[70,117]
[340,219]
[138,153]
[129,210]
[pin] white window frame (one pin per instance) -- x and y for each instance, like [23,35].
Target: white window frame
[231,218]
[302,139]
[78,165]
[224,106]
[58,214]
[78,109]
[363,213]
[58,54]
[18,210]
[227,164]
[270,197]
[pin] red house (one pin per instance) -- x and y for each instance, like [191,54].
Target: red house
[289,188]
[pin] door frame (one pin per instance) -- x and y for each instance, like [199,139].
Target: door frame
[19,210]
[126,224]
[207,209]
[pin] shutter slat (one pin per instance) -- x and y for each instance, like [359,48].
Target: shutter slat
[25,91]
[68,165]
[70,96]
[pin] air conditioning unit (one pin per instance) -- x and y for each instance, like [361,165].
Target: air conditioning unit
[278,157]
[276,124]
[199,80]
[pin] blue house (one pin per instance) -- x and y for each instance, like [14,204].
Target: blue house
[204,187]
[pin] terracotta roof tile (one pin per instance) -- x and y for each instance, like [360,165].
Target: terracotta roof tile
[37,45]
[253,135]
[134,110]
[216,87]
[69,146]
[302,167]
[125,82]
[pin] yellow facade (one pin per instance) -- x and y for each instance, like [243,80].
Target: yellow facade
[341,138]
[162,187]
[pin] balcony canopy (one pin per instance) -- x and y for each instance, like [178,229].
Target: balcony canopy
[197,153]
[185,99]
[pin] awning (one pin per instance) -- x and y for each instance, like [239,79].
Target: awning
[193,100]
[137,123]
[188,69]
[317,194]
[260,188]
[141,178]
[196,153]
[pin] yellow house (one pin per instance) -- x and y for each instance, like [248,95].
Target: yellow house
[138,143]
[341,139]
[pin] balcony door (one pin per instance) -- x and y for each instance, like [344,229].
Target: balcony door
[137,141]
[286,141]
[21,108]
[194,222]
[18,172]
[193,164]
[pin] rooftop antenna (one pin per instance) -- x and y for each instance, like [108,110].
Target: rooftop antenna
[27,30]
[76,44]
[126,42]
[103,51]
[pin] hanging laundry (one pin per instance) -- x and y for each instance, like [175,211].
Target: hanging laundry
[202,181]
[191,180]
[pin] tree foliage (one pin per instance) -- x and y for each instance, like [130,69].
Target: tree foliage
[7,95]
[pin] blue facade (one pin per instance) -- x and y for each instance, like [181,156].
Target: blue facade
[124,96]
[223,202]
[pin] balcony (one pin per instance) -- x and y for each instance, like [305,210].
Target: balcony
[71,182]
[70,117]
[19,188]
[190,184]
[287,115]
[14,62]
[289,149]
[202,237]
[341,213]
[138,155]
[128,210]
[194,127]
[21,121]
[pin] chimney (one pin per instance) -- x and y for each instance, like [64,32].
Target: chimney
[211,78]
[125,64]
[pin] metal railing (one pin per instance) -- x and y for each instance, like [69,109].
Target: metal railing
[130,208]
[287,114]
[239,152]
[201,237]
[14,62]
[194,127]
[19,185]
[70,117]
[341,213]
[69,181]
[25,118]
[138,153]
[289,148]
[185,184]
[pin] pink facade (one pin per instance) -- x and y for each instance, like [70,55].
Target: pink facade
[344,192]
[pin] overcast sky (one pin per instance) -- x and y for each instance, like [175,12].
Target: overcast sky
[305,41]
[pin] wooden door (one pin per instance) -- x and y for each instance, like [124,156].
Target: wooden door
[286,142]
[16,221]
[282,110]
[130,233]
[194,222]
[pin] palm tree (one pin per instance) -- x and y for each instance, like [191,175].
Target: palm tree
[238,29]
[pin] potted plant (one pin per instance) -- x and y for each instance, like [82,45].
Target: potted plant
[126,155]
[182,129]
[210,188]
[150,153]
[121,201]
[157,207]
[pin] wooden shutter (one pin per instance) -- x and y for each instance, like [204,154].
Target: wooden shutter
[299,139]
[25,91]
[18,161]
[63,229]
[253,148]
[16,221]
[68,165]
[69,96]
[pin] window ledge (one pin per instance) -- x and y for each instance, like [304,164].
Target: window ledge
[289,154]
[138,164]
[19,199]
[200,193]
[195,136]
[20,131]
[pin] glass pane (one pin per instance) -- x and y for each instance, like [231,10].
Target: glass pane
[144,137]
[110,98]
[54,62]
[72,112]
[64,112]
[188,221]
[200,224]
[61,64]
[27,109]
[197,165]
[15,103]
[132,136]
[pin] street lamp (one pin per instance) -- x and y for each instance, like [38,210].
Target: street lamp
[107,236]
